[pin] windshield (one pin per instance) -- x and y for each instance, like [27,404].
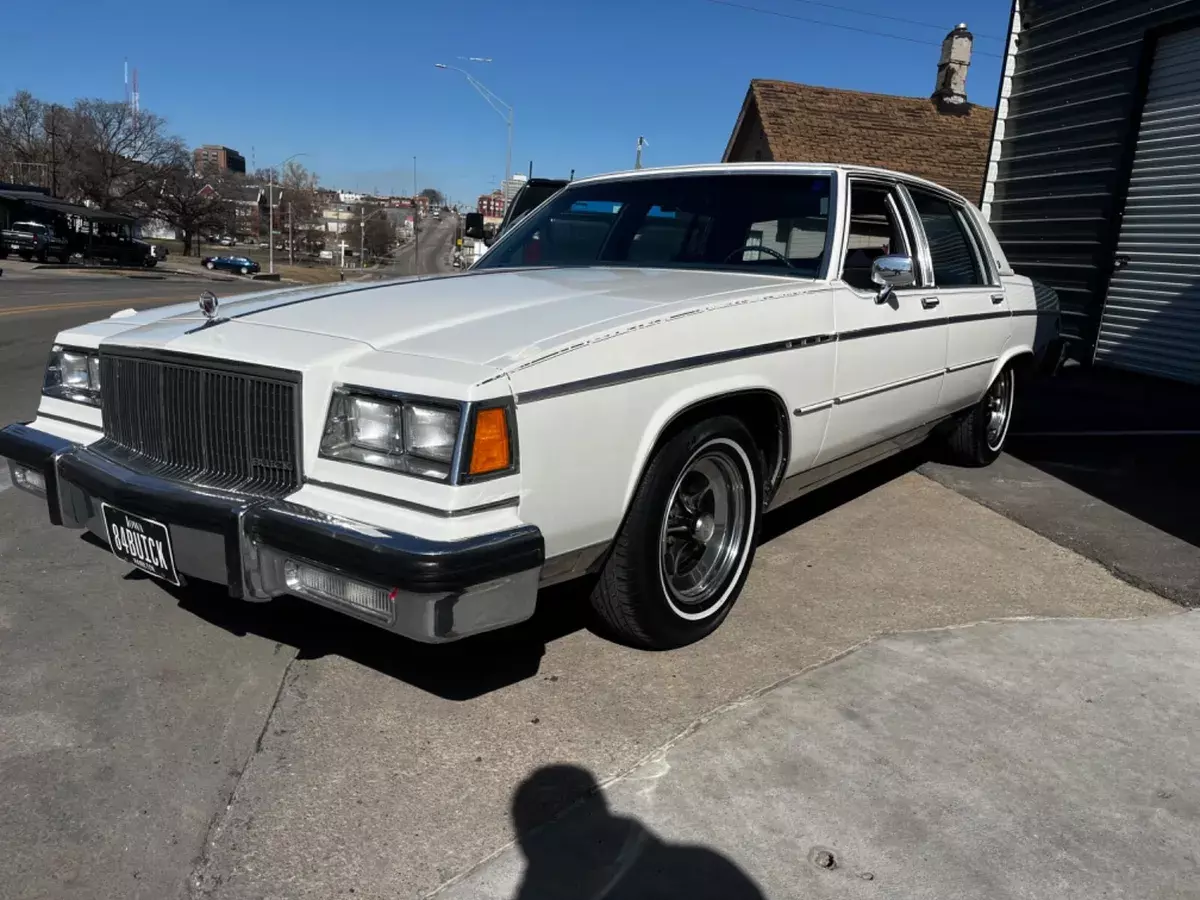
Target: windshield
[31,227]
[734,222]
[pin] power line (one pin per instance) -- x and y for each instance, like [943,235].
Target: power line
[877,15]
[811,21]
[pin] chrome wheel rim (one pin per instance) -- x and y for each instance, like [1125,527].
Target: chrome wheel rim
[998,406]
[704,532]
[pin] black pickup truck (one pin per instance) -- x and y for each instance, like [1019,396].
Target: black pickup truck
[33,240]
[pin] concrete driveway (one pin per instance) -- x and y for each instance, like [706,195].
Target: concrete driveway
[1032,759]
[155,744]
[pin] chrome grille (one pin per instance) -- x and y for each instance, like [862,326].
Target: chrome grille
[203,423]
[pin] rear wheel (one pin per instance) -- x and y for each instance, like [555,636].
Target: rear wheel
[209,265]
[684,551]
[979,436]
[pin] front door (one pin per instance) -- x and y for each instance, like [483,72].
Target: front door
[972,298]
[891,351]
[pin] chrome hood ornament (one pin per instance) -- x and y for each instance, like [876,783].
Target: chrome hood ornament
[209,304]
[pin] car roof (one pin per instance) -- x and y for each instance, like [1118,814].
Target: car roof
[766,168]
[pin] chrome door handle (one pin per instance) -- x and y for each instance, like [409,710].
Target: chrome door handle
[929,302]
[997,298]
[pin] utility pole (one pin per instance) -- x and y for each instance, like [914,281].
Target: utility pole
[291,237]
[637,163]
[416,232]
[271,222]
[362,237]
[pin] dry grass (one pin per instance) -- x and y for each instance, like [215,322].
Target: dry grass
[309,274]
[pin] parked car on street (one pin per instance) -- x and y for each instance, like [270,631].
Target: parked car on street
[34,240]
[242,264]
[629,380]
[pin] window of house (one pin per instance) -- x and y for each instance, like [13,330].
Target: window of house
[875,230]
[955,262]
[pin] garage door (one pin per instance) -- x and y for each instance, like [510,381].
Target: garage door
[1151,320]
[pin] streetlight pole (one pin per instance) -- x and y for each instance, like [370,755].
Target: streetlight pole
[271,211]
[505,111]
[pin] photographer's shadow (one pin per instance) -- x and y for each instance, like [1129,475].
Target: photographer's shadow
[590,854]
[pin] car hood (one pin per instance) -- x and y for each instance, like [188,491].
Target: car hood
[492,318]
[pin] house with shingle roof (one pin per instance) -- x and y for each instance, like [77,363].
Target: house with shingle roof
[943,137]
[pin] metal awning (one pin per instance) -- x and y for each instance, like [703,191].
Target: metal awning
[41,201]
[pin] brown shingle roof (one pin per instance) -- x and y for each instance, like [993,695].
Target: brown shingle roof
[908,134]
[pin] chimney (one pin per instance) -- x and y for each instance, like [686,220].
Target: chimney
[950,92]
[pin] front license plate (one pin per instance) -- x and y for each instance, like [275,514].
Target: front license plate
[140,542]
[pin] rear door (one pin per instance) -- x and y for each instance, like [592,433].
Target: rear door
[968,287]
[891,355]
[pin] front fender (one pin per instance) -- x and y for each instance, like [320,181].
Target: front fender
[675,405]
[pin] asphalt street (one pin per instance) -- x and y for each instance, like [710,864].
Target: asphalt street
[161,743]
[436,239]
[35,306]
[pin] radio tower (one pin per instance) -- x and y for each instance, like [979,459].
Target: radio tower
[133,99]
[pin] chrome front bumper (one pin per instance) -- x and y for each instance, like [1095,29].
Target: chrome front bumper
[437,590]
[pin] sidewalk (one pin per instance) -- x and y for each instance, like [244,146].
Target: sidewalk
[1051,758]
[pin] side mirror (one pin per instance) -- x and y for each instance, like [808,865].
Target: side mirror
[891,272]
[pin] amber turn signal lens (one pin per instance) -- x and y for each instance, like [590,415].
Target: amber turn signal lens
[490,450]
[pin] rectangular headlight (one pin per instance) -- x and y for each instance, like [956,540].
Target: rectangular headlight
[430,432]
[411,436]
[73,374]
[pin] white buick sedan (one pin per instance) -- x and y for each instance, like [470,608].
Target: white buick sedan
[621,388]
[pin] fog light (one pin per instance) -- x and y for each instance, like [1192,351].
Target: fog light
[322,584]
[29,479]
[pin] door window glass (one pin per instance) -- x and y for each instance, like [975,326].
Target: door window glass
[875,231]
[955,263]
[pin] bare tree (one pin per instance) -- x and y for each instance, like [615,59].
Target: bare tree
[124,154]
[189,203]
[300,187]
[380,234]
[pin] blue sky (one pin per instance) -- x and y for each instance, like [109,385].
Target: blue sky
[354,84]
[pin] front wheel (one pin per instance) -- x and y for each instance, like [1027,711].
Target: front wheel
[979,436]
[683,553]
[210,266]
[245,270]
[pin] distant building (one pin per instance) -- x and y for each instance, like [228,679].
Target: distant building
[351,197]
[490,204]
[510,186]
[213,158]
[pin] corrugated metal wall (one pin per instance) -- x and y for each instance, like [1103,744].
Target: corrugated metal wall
[1151,320]
[1061,161]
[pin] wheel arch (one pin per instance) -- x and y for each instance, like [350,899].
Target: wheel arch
[1020,356]
[760,407]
